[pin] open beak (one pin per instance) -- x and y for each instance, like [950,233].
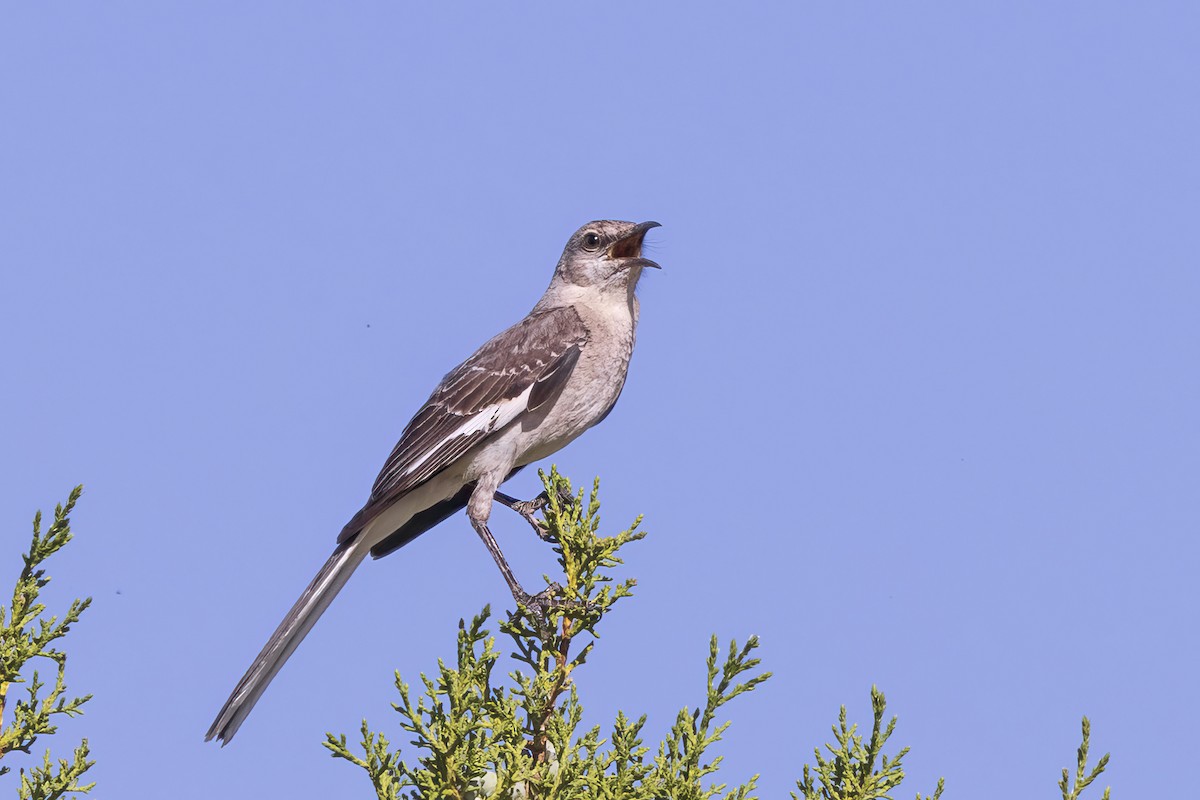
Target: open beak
[628,249]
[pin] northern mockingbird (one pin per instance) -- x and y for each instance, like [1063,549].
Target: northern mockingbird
[525,394]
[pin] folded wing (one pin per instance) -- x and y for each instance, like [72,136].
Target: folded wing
[513,374]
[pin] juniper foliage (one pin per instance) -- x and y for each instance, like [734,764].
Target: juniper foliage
[1083,777]
[27,634]
[858,770]
[479,733]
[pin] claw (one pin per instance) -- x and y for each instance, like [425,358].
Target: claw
[530,508]
[541,604]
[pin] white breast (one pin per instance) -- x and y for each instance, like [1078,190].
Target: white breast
[593,386]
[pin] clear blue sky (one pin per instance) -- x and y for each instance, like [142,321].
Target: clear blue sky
[916,397]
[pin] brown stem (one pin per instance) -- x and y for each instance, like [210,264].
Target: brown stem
[563,666]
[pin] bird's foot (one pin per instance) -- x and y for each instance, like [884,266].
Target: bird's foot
[541,604]
[529,509]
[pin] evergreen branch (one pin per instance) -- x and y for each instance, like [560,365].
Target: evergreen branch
[678,770]
[27,634]
[1083,777]
[476,739]
[51,782]
[850,773]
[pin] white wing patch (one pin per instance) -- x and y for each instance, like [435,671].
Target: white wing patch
[487,420]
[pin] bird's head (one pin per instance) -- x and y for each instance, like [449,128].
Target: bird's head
[605,254]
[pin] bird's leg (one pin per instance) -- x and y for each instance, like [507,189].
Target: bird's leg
[528,508]
[539,603]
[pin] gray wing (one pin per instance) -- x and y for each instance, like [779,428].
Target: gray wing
[517,371]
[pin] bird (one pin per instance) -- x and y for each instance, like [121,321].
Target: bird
[523,395]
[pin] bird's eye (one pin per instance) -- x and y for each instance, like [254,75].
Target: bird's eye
[591,241]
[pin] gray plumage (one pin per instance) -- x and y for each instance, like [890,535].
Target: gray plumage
[522,396]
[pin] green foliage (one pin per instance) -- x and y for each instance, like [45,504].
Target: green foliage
[26,634]
[857,770]
[478,734]
[851,773]
[678,766]
[1083,777]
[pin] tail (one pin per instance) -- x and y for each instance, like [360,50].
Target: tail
[283,642]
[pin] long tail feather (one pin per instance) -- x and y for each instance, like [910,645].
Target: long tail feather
[283,642]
